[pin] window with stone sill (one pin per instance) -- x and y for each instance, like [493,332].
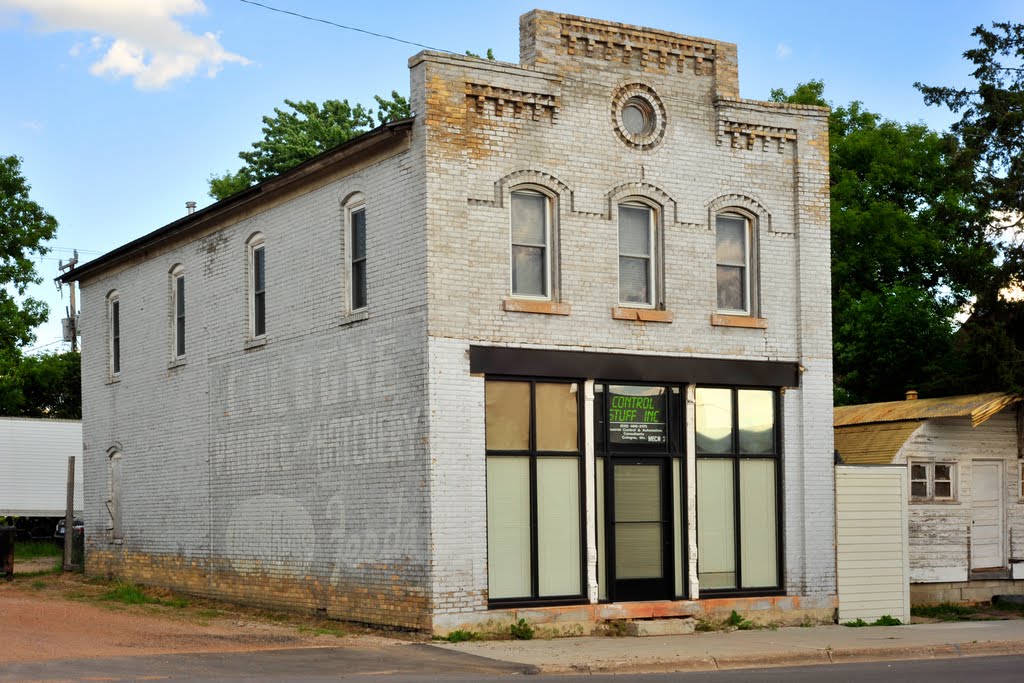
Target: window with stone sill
[932,481]
[532,271]
[114,334]
[637,255]
[257,287]
[734,264]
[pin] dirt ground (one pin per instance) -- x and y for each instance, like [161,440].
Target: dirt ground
[46,616]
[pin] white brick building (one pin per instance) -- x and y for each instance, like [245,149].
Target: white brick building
[558,347]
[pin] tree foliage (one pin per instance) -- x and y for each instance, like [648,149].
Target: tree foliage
[991,136]
[24,227]
[908,250]
[300,132]
[45,385]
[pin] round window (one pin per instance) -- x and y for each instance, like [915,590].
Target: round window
[638,116]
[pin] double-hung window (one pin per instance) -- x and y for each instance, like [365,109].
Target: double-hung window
[932,481]
[531,244]
[732,258]
[636,255]
[178,309]
[534,491]
[737,489]
[114,332]
[257,288]
[357,257]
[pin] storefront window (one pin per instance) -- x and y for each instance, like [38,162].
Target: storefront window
[533,491]
[737,489]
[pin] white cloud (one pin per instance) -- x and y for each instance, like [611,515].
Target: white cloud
[140,39]
[34,126]
[782,50]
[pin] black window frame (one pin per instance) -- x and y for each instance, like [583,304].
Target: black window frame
[736,457]
[179,315]
[357,259]
[259,289]
[534,599]
[115,336]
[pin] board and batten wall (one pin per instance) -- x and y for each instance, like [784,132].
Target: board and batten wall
[940,532]
[872,562]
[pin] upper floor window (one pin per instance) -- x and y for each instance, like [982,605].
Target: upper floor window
[531,244]
[257,287]
[733,252]
[357,256]
[178,311]
[636,255]
[114,332]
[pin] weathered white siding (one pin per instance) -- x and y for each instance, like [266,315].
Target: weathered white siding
[940,532]
[872,562]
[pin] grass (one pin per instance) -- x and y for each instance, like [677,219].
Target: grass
[944,611]
[884,620]
[460,636]
[130,594]
[35,549]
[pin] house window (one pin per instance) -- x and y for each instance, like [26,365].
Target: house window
[531,244]
[114,333]
[534,491]
[738,535]
[257,287]
[932,481]
[733,257]
[178,311]
[357,257]
[636,255]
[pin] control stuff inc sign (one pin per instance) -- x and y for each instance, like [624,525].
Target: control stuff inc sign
[636,415]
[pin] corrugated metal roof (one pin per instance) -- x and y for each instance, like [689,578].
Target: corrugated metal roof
[873,444]
[979,407]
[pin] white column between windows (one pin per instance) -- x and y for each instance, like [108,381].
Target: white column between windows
[691,489]
[590,476]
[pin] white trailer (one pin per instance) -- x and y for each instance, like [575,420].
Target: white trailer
[34,469]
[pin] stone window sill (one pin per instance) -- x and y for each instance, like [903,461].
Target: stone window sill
[257,343]
[531,306]
[177,363]
[114,379]
[354,317]
[641,315]
[748,321]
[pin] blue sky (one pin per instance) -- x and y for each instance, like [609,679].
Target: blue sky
[121,109]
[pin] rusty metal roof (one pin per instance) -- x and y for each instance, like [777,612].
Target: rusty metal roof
[979,407]
[873,444]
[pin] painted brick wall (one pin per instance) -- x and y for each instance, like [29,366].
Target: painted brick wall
[486,132]
[291,474]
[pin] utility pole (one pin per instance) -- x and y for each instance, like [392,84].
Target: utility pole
[71,322]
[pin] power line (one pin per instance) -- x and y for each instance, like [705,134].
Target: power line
[342,26]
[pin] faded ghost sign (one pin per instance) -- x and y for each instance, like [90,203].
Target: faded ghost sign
[636,415]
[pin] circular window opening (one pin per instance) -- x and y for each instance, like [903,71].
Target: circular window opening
[638,116]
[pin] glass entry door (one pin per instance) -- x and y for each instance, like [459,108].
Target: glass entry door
[640,547]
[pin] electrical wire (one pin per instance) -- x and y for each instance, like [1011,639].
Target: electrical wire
[347,28]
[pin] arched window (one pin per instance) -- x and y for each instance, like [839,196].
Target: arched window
[531,244]
[178,312]
[734,263]
[113,493]
[114,334]
[638,274]
[257,286]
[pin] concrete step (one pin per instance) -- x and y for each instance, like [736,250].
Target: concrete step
[676,626]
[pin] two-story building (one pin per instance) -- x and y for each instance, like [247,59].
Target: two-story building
[560,341]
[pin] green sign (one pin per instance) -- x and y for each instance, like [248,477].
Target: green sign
[636,415]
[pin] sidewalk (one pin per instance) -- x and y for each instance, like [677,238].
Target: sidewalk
[748,649]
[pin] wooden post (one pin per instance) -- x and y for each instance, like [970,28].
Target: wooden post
[69,514]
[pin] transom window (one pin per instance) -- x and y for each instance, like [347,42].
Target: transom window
[733,263]
[531,244]
[636,255]
[932,481]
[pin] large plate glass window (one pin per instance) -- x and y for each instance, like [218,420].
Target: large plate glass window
[738,536]
[534,492]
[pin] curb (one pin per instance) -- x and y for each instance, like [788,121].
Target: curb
[807,658]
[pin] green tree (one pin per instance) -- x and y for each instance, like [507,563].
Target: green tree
[909,249]
[991,134]
[24,227]
[301,132]
[45,385]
